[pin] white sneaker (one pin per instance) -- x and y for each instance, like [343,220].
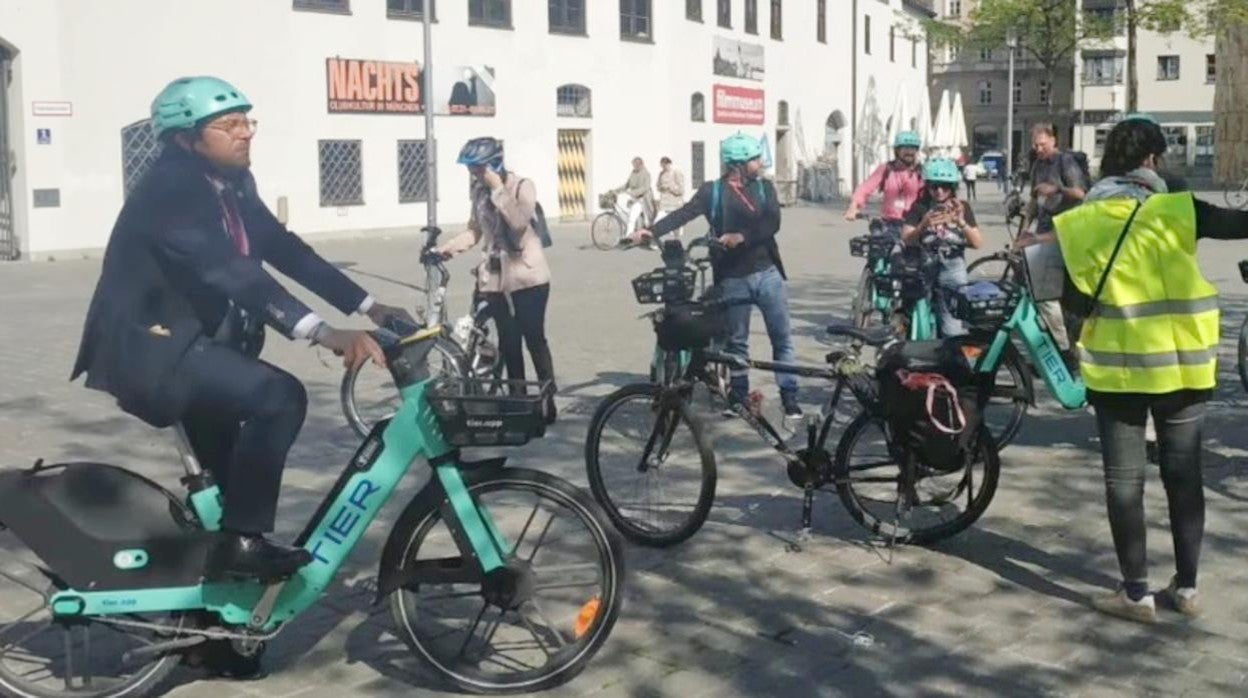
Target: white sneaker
[1120,605]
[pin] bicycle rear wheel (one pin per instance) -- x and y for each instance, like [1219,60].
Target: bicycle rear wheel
[994,267]
[368,394]
[606,230]
[864,307]
[938,505]
[649,465]
[42,657]
[535,623]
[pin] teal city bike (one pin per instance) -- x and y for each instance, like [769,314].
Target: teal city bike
[499,579]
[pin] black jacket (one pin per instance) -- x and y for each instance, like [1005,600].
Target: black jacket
[170,272]
[759,226]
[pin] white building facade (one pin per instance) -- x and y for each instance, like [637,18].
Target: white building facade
[1175,74]
[574,88]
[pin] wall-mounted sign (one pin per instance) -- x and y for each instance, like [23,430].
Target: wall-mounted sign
[43,136]
[358,86]
[737,105]
[737,59]
[52,108]
[466,90]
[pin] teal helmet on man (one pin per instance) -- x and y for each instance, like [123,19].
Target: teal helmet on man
[739,148]
[907,139]
[188,102]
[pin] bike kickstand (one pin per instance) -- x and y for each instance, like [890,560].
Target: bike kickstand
[264,607]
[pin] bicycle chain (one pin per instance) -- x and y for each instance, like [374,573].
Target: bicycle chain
[209,633]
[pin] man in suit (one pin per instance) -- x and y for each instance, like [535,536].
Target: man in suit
[177,319]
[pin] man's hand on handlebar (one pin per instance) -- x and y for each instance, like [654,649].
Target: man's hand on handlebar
[731,240]
[354,346]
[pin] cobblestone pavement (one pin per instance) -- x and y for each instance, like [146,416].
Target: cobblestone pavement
[999,610]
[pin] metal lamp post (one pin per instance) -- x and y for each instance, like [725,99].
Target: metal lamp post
[426,98]
[1011,41]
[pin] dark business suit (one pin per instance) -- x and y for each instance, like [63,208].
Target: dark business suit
[164,334]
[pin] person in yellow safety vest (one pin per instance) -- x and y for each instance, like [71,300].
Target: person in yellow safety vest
[1149,346]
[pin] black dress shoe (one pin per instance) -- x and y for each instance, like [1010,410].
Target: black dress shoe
[253,557]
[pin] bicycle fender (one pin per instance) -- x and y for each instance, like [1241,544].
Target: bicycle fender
[1029,380]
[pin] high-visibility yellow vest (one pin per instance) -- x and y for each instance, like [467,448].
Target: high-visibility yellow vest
[1155,327]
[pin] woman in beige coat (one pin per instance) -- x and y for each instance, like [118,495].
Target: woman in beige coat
[513,275]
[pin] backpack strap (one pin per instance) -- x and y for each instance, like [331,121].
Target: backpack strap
[716,199]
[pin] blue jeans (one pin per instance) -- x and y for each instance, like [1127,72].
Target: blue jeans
[767,290]
[952,276]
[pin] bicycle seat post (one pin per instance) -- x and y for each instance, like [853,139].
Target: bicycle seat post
[186,453]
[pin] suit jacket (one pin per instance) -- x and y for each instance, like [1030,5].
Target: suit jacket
[170,273]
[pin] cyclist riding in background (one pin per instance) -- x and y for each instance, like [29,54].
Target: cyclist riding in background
[940,214]
[177,318]
[900,182]
[744,213]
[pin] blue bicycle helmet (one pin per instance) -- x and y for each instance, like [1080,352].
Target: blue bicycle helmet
[484,151]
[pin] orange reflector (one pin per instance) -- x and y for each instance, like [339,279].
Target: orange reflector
[587,616]
[972,352]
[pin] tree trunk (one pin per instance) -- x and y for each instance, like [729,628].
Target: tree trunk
[1133,83]
[1230,106]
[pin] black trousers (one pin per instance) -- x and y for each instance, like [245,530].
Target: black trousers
[242,419]
[523,318]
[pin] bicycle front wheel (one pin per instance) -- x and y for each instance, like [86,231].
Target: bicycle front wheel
[922,507]
[994,267]
[537,622]
[1003,415]
[864,297]
[368,394]
[606,231]
[649,465]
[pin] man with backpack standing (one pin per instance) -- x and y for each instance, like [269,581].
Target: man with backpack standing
[899,182]
[1059,181]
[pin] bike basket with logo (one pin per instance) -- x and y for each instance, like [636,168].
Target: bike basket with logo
[664,286]
[690,325]
[469,416]
[607,201]
[871,246]
[986,304]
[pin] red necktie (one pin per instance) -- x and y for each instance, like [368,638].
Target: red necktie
[234,224]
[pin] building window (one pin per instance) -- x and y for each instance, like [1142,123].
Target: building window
[635,20]
[1108,19]
[574,100]
[914,53]
[1211,68]
[782,113]
[139,149]
[777,20]
[751,16]
[985,54]
[342,173]
[336,6]
[567,16]
[821,21]
[892,44]
[697,168]
[1044,91]
[724,13]
[1101,135]
[954,52]
[1018,91]
[413,172]
[489,13]
[697,107]
[1176,144]
[1204,146]
[1167,67]
[1103,70]
[985,92]
[954,8]
[984,138]
[866,34]
[693,10]
[410,9]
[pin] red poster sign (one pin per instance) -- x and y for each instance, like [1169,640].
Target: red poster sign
[738,105]
[373,87]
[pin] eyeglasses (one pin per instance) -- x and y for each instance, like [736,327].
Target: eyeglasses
[236,127]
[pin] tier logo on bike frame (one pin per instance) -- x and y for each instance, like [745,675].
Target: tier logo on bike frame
[359,86]
[738,105]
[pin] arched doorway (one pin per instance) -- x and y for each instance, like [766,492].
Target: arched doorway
[9,246]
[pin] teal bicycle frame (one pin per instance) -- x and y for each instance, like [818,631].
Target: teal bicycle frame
[1069,389]
[350,507]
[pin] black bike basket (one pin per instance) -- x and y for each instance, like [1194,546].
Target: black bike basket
[912,422]
[901,284]
[986,304]
[871,246]
[690,325]
[664,286]
[469,416]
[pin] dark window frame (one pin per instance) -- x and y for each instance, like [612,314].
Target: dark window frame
[584,96]
[697,107]
[633,35]
[490,23]
[409,193]
[333,7]
[1164,61]
[410,14]
[693,10]
[321,183]
[723,13]
[821,21]
[866,34]
[568,29]
[777,20]
[751,17]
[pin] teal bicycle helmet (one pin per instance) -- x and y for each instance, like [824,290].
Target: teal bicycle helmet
[941,171]
[187,102]
[907,139]
[739,148]
[1141,116]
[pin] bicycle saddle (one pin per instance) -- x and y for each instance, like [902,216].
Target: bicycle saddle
[874,336]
